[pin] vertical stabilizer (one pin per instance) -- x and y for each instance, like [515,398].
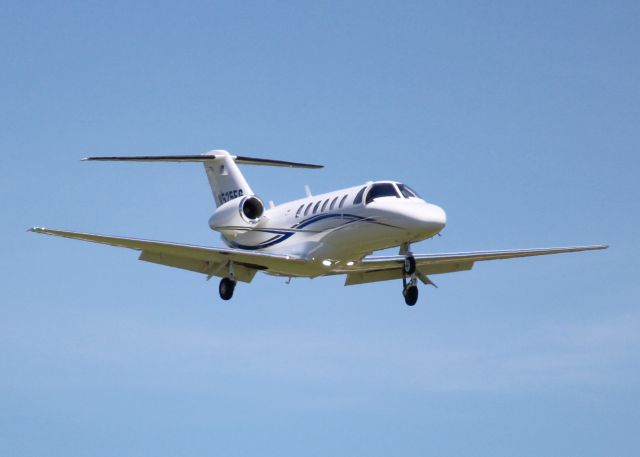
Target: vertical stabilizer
[225,178]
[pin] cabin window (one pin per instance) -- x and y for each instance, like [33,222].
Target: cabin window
[407,192]
[333,203]
[342,201]
[306,211]
[315,208]
[299,211]
[324,205]
[358,199]
[382,190]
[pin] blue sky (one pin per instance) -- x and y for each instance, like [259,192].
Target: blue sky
[520,119]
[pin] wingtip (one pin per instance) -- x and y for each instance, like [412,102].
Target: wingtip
[35,229]
[597,247]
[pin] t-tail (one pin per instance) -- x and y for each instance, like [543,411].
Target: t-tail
[226,181]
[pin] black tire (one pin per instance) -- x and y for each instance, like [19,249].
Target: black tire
[410,295]
[226,288]
[409,266]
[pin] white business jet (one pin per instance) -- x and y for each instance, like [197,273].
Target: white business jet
[319,235]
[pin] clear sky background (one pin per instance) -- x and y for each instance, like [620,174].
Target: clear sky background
[520,119]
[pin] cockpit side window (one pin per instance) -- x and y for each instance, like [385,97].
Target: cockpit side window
[381,190]
[358,199]
[407,192]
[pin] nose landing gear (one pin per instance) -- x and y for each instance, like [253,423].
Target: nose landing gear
[409,266]
[410,293]
[409,288]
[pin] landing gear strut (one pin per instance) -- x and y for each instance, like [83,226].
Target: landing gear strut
[226,288]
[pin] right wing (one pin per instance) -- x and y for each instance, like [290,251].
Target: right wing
[382,268]
[201,259]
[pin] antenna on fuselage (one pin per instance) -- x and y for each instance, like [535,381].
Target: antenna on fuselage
[307,190]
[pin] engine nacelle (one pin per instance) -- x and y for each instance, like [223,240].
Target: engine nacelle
[231,217]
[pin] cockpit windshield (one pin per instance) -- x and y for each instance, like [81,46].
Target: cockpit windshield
[381,190]
[407,192]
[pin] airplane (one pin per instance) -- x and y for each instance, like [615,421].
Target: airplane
[334,233]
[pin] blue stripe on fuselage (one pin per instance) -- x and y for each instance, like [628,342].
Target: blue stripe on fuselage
[312,220]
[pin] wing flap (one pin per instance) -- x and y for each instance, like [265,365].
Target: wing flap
[395,272]
[184,263]
[363,277]
[241,272]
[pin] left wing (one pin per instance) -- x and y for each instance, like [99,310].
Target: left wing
[382,268]
[201,259]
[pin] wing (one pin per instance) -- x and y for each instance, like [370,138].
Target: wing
[201,259]
[382,268]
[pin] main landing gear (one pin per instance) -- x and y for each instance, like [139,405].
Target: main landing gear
[228,284]
[226,288]
[409,287]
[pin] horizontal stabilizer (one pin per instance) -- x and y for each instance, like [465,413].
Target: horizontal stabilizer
[204,158]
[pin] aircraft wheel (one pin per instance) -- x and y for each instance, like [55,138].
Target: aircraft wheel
[226,288]
[409,265]
[410,295]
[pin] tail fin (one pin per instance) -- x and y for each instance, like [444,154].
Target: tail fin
[225,178]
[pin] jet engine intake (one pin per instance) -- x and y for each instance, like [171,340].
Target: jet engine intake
[251,208]
[237,215]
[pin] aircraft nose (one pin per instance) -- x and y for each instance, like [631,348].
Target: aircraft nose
[428,218]
[438,216]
